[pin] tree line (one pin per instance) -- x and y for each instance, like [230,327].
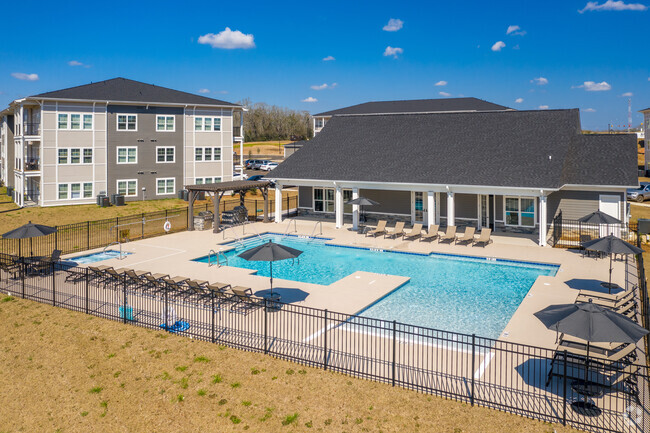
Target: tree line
[264,122]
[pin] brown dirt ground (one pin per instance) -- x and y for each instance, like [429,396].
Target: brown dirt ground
[263,148]
[64,371]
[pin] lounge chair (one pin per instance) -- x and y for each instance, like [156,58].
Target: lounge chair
[220,291]
[198,289]
[396,232]
[449,236]
[10,266]
[117,276]
[484,238]
[432,233]
[468,236]
[585,295]
[178,286]
[625,299]
[46,264]
[244,295]
[379,230]
[155,283]
[98,274]
[135,278]
[415,232]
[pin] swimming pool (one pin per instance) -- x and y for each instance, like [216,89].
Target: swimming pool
[456,293]
[97,257]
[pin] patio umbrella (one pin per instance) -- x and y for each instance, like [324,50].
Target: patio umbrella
[592,323]
[270,252]
[28,231]
[599,217]
[362,201]
[611,245]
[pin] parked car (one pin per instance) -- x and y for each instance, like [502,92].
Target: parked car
[639,194]
[259,163]
[269,166]
[256,177]
[250,163]
[238,176]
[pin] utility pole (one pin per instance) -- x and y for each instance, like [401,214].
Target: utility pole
[629,114]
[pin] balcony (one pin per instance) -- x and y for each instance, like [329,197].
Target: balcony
[236,131]
[33,165]
[32,128]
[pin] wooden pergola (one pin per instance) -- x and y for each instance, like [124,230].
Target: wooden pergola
[217,190]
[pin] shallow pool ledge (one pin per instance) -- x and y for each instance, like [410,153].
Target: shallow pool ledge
[355,292]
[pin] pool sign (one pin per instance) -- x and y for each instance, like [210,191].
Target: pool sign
[167,226]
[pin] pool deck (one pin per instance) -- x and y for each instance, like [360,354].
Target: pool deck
[172,254]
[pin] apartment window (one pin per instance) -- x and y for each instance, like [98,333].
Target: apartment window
[164,123]
[217,124]
[205,180]
[207,124]
[520,211]
[74,121]
[77,190]
[63,121]
[198,123]
[207,154]
[319,123]
[127,122]
[88,156]
[127,155]
[165,186]
[75,156]
[88,190]
[323,200]
[63,156]
[198,154]
[164,154]
[88,122]
[128,188]
[63,191]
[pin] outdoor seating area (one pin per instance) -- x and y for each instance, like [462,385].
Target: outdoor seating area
[450,236]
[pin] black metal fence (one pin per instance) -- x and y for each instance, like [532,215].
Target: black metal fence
[71,238]
[531,381]
[573,233]
[644,299]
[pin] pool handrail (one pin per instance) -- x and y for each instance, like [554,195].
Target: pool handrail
[113,243]
[217,254]
[318,223]
[295,227]
[254,230]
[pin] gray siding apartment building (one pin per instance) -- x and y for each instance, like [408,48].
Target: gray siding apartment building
[115,136]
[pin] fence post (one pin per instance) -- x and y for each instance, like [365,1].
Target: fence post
[53,285]
[124,307]
[142,225]
[212,315]
[56,237]
[88,235]
[166,307]
[117,229]
[266,325]
[255,209]
[564,391]
[87,290]
[394,351]
[325,343]
[471,397]
[23,270]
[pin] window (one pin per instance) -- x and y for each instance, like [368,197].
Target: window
[520,211]
[63,191]
[323,200]
[73,191]
[207,123]
[63,156]
[127,122]
[127,188]
[127,155]
[164,123]
[165,186]
[347,196]
[75,156]
[205,180]
[207,154]
[88,190]
[318,122]
[164,154]
[74,121]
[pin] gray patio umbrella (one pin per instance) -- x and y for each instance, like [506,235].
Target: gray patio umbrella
[599,217]
[270,252]
[592,323]
[611,245]
[28,231]
[362,201]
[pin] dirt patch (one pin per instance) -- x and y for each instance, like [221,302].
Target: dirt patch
[67,372]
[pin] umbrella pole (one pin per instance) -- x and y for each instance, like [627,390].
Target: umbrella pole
[609,287]
[586,371]
[271,266]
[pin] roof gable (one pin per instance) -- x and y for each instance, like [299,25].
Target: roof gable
[125,90]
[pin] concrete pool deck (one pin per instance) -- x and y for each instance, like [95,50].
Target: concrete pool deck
[172,254]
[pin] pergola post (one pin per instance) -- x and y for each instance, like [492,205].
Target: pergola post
[355,209]
[216,200]
[451,208]
[542,221]
[338,207]
[242,194]
[190,211]
[278,203]
[265,193]
[431,209]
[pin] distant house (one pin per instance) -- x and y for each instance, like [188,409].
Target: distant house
[115,136]
[504,169]
[445,105]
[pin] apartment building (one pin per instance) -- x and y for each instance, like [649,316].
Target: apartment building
[116,136]
[646,134]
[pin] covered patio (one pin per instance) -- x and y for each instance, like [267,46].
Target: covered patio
[217,190]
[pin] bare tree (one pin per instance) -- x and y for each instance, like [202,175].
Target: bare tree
[263,122]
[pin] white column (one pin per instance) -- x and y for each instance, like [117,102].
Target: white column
[338,207]
[451,214]
[278,203]
[355,209]
[431,208]
[241,145]
[437,208]
[542,221]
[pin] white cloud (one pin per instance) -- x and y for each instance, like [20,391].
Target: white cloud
[390,51]
[543,107]
[540,81]
[445,94]
[393,25]
[515,30]
[228,40]
[204,90]
[24,76]
[519,100]
[324,86]
[498,45]
[441,83]
[627,94]
[611,5]
[589,110]
[328,58]
[591,86]
[310,99]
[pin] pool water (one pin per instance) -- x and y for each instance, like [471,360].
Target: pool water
[456,293]
[97,257]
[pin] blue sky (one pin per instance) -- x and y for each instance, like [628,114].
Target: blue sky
[282,47]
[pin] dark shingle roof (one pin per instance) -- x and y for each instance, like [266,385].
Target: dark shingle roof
[506,148]
[122,89]
[418,106]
